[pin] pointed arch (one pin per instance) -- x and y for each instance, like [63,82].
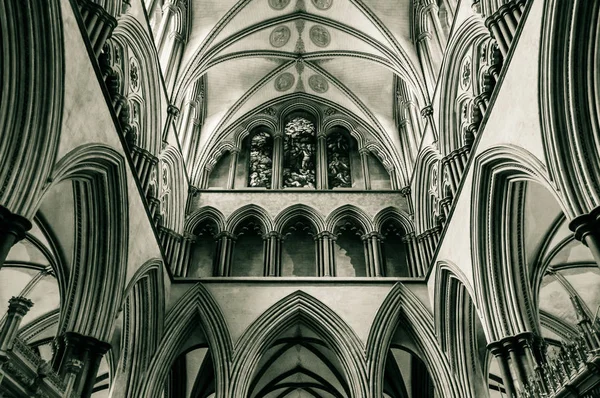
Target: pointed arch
[32,100]
[569,95]
[130,33]
[299,307]
[426,188]
[203,213]
[101,238]
[172,184]
[501,286]
[244,213]
[395,214]
[196,306]
[143,317]
[299,210]
[402,306]
[348,211]
[455,310]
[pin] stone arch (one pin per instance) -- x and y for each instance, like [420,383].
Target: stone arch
[32,100]
[172,184]
[143,317]
[299,307]
[454,309]
[130,33]
[502,290]
[396,214]
[570,101]
[426,188]
[352,212]
[299,210]
[206,212]
[244,213]
[402,306]
[468,35]
[196,306]
[101,210]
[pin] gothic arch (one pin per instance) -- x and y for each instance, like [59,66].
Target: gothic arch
[101,238]
[143,316]
[505,311]
[129,33]
[206,212]
[401,306]
[244,213]
[348,211]
[32,100]
[570,100]
[470,34]
[299,210]
[172,188]
[299,307]
[455,310]
[395,214]
[196,306]
[426,188]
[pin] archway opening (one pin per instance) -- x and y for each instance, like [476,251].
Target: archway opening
[299,249]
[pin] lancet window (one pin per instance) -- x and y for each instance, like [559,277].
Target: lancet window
[299,148]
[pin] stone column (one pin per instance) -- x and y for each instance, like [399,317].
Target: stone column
[364,161]
[322,182]
[12,229]
[99,24]
[325,253]
[234,155]
[72,369]
[498,352]
[17,309]
[587,230]
[277,172]
[410,254]
[172,113]
[431,10]
[225,243]
[424,41]
[272,253]
[174,59]
[183,261]
[373,258]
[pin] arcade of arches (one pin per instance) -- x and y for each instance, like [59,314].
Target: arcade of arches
[299,198]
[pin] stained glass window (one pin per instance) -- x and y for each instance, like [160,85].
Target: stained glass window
[299,154]
[261,152]
[338,160]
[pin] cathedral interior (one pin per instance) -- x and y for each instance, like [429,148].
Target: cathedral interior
[300,198]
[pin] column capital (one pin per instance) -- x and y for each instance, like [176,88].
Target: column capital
[14,224]
[405,191]
[326,235]
[86,343]
[585,224]
[19,305]
[192,190]
[225,234]
[172,110]
[73,366]
[427,111]
[272,234]
[364,151]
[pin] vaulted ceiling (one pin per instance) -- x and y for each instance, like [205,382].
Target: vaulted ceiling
[343,53]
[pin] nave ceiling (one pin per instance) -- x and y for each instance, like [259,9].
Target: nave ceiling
[342,54]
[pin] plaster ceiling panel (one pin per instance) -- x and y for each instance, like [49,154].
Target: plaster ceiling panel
[396,16]
[541,211]
[204,17]
[281,37]
[585,281]
[253,13]
[346,12]
[227,83]
[45,296]
[372,84]
[555,300]
[573,252]
[318,37]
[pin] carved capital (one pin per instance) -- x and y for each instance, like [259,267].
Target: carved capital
[13,224]
[172,110]
[19,305]
[427,111]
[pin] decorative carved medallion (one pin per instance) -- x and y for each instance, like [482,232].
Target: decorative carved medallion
[330,111]
[279,4]
[320,36]
[280,36]
[318,84]
[322,4]
[134,77]
[284,82]
[465,73]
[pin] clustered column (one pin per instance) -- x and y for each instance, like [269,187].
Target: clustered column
[272,253]
[170,241]
[181,264]
[17,309]
[373,255]
[144,163]
[12,229]
[172,113]
[225,243]
[325,253]
[277,174]
[587,230]
[455,164]
[364,161]
[321,161]
[503,23]
[99,24]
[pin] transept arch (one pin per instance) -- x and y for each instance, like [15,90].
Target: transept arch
[299,307]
